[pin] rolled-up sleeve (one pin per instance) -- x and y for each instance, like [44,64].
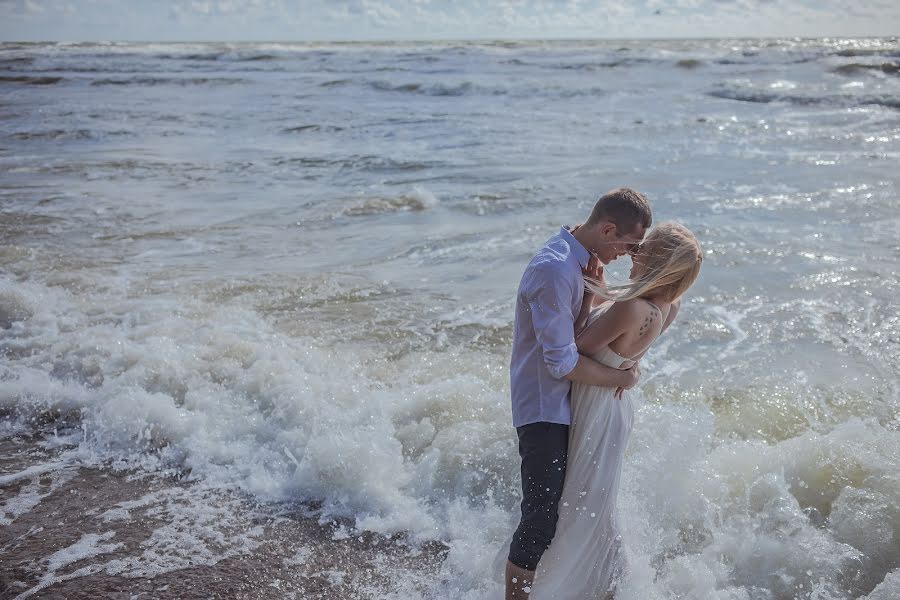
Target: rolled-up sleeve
[550,301]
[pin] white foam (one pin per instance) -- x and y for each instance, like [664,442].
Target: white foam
[31,472]
[84,548]
[300,557]
[422,444]
[201,527]
[888,589]
[31,494]
[731,512]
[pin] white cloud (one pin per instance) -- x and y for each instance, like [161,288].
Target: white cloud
[405,19]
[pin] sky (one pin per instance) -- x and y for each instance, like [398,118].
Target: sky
[318,20]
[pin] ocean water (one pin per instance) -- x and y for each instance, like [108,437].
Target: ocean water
[286,272]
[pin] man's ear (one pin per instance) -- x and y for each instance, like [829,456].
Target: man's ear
[608,229]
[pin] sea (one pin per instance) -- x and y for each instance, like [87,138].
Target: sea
[246,286]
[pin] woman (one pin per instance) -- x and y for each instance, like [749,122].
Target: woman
[584,560]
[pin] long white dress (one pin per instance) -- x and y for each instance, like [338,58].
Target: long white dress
[585,559]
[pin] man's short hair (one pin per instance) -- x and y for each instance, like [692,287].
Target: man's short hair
[624,207]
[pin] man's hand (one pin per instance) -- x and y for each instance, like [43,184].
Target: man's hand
[635,372]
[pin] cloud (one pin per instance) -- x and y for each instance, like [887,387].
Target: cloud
[22,7]
[406,19]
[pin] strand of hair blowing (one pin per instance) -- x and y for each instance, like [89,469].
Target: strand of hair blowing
[672,258]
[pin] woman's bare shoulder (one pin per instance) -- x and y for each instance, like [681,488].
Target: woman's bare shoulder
[633,310]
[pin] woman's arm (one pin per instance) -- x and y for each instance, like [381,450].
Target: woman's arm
[587,303]
[593,271]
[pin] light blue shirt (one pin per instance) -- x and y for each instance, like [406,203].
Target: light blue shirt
[544,351]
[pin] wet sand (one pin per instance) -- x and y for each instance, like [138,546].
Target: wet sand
[74,532]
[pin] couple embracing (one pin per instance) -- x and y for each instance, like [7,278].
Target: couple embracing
[576,352]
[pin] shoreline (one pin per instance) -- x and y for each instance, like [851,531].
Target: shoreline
[72,531]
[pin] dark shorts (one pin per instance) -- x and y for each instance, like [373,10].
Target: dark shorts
[543,448]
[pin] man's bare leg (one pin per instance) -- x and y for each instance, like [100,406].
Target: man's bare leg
[518,582]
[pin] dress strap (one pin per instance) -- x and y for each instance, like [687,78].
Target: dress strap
[653,305]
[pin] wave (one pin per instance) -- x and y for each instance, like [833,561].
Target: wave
[5,63]
[335,82]
[21,45]
[767,97]
[581,66]
[603,65]
[130,168]
[468,88]
[170,81]
[436,89]
[257,57]
[313,128]
[888,68]
[517,62]
[420,199]
[856,52]
[204,52]
[30,80]
[763,97]
[181,391]
[358,163]
[218,56]
[421,443]
[689,63]
[75,134]
[383,164]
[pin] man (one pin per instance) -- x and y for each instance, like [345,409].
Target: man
[545,361]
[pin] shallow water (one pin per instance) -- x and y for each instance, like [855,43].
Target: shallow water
[287,271]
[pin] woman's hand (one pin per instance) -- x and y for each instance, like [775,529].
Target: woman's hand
[594,268]
[594,272]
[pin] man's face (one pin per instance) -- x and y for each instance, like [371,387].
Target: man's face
[612,243]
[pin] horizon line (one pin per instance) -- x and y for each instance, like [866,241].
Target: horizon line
[445,40]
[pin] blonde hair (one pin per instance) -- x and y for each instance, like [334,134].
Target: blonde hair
[671,256]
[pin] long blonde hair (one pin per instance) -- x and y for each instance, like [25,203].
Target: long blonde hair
[671,257]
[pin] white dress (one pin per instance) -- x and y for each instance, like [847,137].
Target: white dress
[585,560]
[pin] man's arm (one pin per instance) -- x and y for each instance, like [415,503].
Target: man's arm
[550,302]
[549,298]
[590,372]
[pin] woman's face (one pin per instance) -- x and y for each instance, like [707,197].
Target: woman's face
[638,263]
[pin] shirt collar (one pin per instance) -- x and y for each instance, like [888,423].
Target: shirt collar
[578,250]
